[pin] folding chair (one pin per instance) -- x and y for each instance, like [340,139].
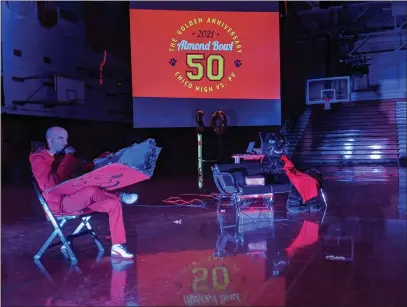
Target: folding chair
[230,181]
[59,221]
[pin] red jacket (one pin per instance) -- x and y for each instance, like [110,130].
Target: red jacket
[305,184]
[50,171]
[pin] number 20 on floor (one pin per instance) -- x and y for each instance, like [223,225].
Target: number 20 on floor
[219,279]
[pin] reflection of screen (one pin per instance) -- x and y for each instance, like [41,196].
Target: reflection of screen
[196,278]
[184,61]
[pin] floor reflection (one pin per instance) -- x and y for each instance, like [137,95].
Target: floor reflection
[402,199]
[246,268]
[117,285]
[261,257]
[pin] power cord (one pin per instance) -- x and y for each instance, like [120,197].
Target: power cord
[179,202]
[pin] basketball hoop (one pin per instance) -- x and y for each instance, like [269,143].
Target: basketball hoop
[327,104]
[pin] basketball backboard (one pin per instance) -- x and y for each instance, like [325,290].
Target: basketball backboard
[335,89]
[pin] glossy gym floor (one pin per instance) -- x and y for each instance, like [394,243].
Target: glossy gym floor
[352,254]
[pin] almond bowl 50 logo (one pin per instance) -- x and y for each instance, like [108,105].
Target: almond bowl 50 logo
[205,54]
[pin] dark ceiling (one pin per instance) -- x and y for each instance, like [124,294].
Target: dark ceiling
[313,19]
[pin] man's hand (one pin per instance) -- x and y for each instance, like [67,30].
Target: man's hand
[108,156]
[70,150]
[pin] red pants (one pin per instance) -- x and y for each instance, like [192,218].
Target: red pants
[100,201]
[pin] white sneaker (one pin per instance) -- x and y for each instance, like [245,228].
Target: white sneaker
[129,198]
[119,250]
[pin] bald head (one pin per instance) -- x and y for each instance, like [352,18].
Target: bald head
[54,131]
[57,139]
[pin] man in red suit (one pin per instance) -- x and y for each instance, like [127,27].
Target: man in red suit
[55,164]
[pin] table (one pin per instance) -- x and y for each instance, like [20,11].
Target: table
[247,157]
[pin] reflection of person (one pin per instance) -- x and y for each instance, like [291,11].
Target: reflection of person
[118,283]
[282,248]
[54,165]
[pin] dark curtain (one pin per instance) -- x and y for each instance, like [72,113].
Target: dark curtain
[107,27]
[47,13]
[2,91]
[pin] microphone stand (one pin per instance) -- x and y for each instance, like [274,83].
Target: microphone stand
[200,130]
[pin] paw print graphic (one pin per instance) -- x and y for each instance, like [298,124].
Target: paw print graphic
[173,61]
[238,63]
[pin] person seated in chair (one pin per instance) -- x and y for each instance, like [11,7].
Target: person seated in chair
[55,164]
[274,148]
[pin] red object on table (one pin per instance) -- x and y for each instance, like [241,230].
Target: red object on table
[305,184]
[248,157]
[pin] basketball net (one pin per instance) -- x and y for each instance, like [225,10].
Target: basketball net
[327,104]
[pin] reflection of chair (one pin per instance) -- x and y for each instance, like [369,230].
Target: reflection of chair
[254,236]
[260,235]
[59,222]
[251,227]
[73,267]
